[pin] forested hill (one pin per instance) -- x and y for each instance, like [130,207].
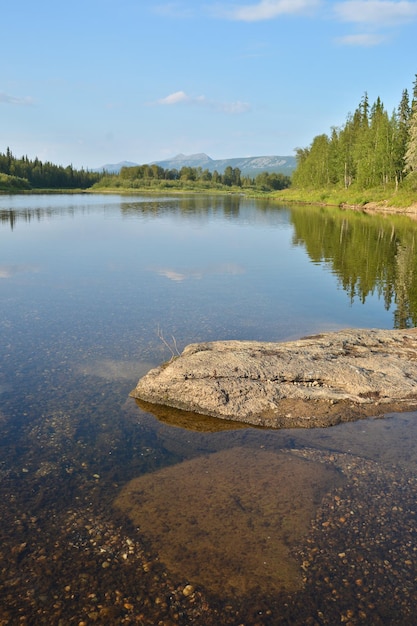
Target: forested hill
[23,173]
[248,166]
[373,149]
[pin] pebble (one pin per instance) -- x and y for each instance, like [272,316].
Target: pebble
[188,590]
[359,562]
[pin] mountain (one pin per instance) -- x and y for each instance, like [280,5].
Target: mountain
[114,168]
[183,160]
[249,166]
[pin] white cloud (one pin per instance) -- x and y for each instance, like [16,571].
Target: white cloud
[267,9]
[8,99]
[376,12]
[365,40]
[174,98]
[180,97]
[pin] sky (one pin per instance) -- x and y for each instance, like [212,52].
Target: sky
[94,82]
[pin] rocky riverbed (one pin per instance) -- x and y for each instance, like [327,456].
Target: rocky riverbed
[355,558]
[315,381]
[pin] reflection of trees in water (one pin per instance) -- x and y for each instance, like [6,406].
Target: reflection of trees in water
[368,254]
[406,261]
[26,215]
[12,216]
[198,205]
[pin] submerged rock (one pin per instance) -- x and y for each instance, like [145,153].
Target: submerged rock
[312,382]
[230,520]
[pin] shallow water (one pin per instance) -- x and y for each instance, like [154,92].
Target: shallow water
[87,284]
[228,519]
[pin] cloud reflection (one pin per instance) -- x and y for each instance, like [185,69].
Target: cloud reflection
[230,269]
[112,369]
[8,271]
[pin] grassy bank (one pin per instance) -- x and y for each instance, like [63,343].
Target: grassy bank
[33,192]
[383,198]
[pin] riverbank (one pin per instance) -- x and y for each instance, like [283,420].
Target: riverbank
[376,201]
[373,201]
[379,200]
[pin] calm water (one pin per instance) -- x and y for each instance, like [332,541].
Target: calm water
[111,514]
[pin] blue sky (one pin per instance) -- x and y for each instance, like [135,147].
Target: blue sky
[92,82]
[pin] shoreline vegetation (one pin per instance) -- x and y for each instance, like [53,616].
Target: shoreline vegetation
[378,200]
[385,198]
[368,164]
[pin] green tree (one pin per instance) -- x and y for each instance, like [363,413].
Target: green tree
[187,173]
[206,175]
[216,178]
[410,157]
[227,177]
[237,177]
[348,138]
[313,165]
[380,143]
[272,181]
[400,124]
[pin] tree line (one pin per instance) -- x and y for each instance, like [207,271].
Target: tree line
[154,175]
[25,173]
[373,148]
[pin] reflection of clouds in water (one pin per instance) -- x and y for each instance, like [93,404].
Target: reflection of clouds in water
[176,276]
[7,271]
[110,369]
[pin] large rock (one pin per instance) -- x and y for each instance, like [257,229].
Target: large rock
[315,381]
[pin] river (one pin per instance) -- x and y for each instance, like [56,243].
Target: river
[111,514]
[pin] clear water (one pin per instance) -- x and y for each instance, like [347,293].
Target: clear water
[87,283]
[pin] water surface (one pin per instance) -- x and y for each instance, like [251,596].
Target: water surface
[88,284]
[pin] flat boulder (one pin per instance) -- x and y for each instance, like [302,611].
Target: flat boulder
[315,381]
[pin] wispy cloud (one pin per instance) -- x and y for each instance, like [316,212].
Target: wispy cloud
[266,9]
[15,100]
[234,108]
[174,9]
[376,13]
[180,97]
[366,40]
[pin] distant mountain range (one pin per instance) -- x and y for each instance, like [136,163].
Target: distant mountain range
[249,166]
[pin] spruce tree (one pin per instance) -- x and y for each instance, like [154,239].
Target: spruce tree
[400,124]
[411,152]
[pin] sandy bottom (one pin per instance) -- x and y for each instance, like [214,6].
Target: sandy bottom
[229,520]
